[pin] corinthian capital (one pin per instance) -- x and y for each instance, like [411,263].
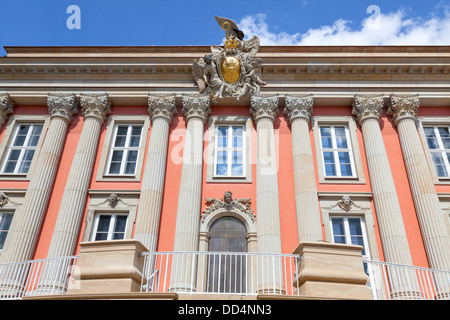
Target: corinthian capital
[196,106]
[162,106]
[403,107]
[6,107]
[263,107]
[64,106]
[298,107]
[365,107]
[98,106]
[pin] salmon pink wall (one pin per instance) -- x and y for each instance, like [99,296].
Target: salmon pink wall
[283,145]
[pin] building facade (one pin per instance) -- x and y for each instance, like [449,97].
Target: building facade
[347,145]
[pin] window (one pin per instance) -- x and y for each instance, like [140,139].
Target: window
[22,149]
[438,140]
[229,156]
[5,223]
[109,226]
[336,151]
[125,147]
[350,230]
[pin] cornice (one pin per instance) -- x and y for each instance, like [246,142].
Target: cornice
[305,68]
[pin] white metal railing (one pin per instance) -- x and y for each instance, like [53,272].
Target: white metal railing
[220,273]
[36,277]
[389,281]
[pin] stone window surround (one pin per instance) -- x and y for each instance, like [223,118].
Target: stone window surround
[98,203]
[361,207]
[113,121]
[12,201]
[13,122]
[229,120]
[444,200]
[348,121]
[432,121]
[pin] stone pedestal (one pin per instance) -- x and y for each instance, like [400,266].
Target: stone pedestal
[329,270]
[108,267]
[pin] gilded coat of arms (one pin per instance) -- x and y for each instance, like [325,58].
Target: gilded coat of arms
[231,70]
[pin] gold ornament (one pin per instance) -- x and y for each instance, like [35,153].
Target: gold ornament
[231,69]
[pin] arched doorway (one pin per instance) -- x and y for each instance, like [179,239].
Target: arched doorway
[227,267]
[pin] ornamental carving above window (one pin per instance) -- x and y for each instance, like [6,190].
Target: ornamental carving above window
[228,204]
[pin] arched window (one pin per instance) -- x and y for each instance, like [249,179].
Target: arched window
[227,266]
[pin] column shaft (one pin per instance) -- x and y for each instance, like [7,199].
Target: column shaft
[264,110]
[184,269]
[267,199]
[189,198]
[148,217]
[309,225]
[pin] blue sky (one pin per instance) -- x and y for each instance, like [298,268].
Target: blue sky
[191,22]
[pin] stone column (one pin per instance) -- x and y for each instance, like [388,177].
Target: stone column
[264,109]
[161,109]
[403,110]
[6,107]
[309,225]
[26,225]
[367,110]
[196,110]
[64,240]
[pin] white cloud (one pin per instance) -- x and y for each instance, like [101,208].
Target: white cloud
[386,29]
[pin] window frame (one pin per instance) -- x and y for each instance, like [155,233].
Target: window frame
[335,150]
[111,226]
[103,166]
[440,150]
[356,160]
[214,122]
[229,150]
[99,204]
[2,214]
[347,233]
[22,148]
[14,122]
[361,207]
[125,149]
[432,122]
